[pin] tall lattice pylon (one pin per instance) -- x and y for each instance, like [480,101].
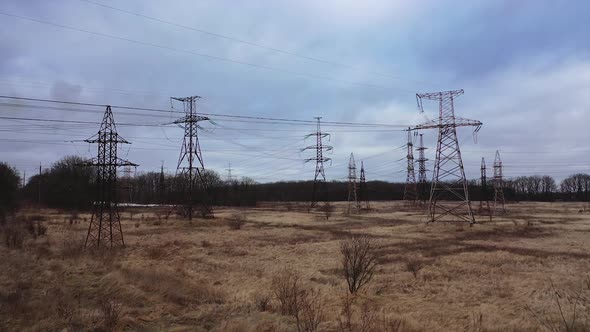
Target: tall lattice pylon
[190,168]
[411,190]
[353,202]
[422,180]
[499,200]
[449,195]
[319,180]
[484,202]
[363,195]
[105,224]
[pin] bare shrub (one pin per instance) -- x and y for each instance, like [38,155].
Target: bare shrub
[345,321]
[236,221]
[366,318]
[311,311]
[72,245]
[568,308]
[206,244]
[327,210]
[414,265]
[286,287]
[13,235]
[156,252]
[305,305]
[359,260]
[109,307]
[262,302]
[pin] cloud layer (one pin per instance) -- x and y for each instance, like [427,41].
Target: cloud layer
[525,68]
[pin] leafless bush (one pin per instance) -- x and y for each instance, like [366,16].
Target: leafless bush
[156,252]
[327,209]
[305,305]
[236,221]
[13,234]
[359,260]
[206,244]
[569,308]
[311,311]
[262,302]
[414,265]
[346,321]
[110,308]
[286,287]
[72,246]
[34,226]
[289,206]
[366,318]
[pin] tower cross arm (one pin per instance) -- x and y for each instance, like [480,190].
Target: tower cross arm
[458,122]
[437,95]
[191,118]
[116,139]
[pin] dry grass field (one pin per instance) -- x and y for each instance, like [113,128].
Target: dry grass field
[525,271]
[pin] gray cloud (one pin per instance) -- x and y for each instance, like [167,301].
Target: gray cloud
[524,68]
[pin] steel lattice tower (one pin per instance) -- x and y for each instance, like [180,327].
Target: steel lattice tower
[498,185]
[190,167]
[448,179]
[484,188]
[411,190]
[352,188]
[422,190]
[319,180]
[363,194]
[105,225]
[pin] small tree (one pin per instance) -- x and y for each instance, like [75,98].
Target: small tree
[327,209]
[359,260]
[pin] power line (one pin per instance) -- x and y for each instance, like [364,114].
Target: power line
[203,55]
[245,42]
[207,114]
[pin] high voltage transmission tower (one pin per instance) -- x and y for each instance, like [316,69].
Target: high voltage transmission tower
[162,185]
[191,168]
[422,181]
[229,176]
[105,225]
[352,188]
[410,191]
[319,180]
[498,185]
[484,202]
[448,180]
[363,196]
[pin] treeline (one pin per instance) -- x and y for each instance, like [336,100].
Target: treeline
[70,186]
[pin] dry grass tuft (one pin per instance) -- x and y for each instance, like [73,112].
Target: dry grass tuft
[236,221]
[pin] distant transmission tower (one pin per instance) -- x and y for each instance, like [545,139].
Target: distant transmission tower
[422,185]
[162,186]
[352,189]
[498,185]
[411,190]
[484,202]
[229,176]
[190,167]
[105,225]
[319,180]
[363,196]
[448,179]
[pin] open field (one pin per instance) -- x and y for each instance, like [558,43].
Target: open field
[526,271]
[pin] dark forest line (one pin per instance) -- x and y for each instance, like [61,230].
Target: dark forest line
[68,185]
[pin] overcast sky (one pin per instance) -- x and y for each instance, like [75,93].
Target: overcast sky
[524,66]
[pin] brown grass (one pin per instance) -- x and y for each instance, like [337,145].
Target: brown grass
[524,271]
